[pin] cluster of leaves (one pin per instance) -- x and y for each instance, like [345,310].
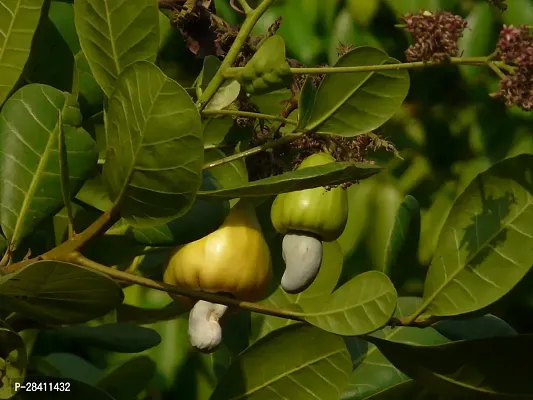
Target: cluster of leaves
[113,140]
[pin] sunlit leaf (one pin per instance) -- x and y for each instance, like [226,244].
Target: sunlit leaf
[154,147]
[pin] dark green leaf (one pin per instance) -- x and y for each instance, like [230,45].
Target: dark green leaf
[306,178]
[156,175]
[474,328]
[59,293]
[362,305]
[355,103]
[129,379]
[485,247]
[68,366]
[202,218]
[18,23]
[295,362]
[475,369]
[374,374]
[114,35]
[30,184]
[119,337]
[13,361]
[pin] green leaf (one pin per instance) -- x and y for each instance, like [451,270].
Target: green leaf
[30,184]
[114,34]
[477,39]
[362,305]
[154,147]
[129,379]
[387,231]
[518,12]
[230,174]
[13,361]
[76,389]
[118,337]
[485,247]
[319,290]
[474,328]
[59,293]
[226,94]
[67,366]
[351,104]
[497,367]
[373,374]
[295,362]
[202,218]
[307,99]
[306,178]
[215,129]
[18,23]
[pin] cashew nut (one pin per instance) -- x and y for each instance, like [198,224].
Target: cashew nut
[303,256]
[205,333]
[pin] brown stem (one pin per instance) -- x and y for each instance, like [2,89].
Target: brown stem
[195,294]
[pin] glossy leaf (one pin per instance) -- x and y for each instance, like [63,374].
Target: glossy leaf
[129,379]
[296,362]
[319,290]
[362,305]
[18,22]
[475,369]
[351,104]
[485,247]
[116,33]
[306,178]
[13,361]
[373,374]
[30,184]
[59,293]
[154,147]
[119,337]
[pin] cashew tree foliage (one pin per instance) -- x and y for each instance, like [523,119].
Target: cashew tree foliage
[269,199]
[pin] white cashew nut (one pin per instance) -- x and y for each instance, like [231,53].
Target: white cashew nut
[205,333]
[303,256]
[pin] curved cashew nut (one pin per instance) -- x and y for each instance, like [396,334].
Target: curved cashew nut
[303,256]
[205,333]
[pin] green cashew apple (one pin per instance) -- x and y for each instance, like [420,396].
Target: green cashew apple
[307,218]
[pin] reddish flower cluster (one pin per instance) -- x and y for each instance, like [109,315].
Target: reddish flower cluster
[435,35]
[515,47]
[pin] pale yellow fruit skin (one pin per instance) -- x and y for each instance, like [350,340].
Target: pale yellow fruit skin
[234,259]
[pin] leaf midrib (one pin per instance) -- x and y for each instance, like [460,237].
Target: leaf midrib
[470,258]
[347,308]
[112,39]
[286,373]
[320,121]
[35,181]
[8,33]
[143,130]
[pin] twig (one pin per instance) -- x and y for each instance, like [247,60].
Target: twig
[476,61]
[248,114]
[266,146]
[195,294]
[232,55]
